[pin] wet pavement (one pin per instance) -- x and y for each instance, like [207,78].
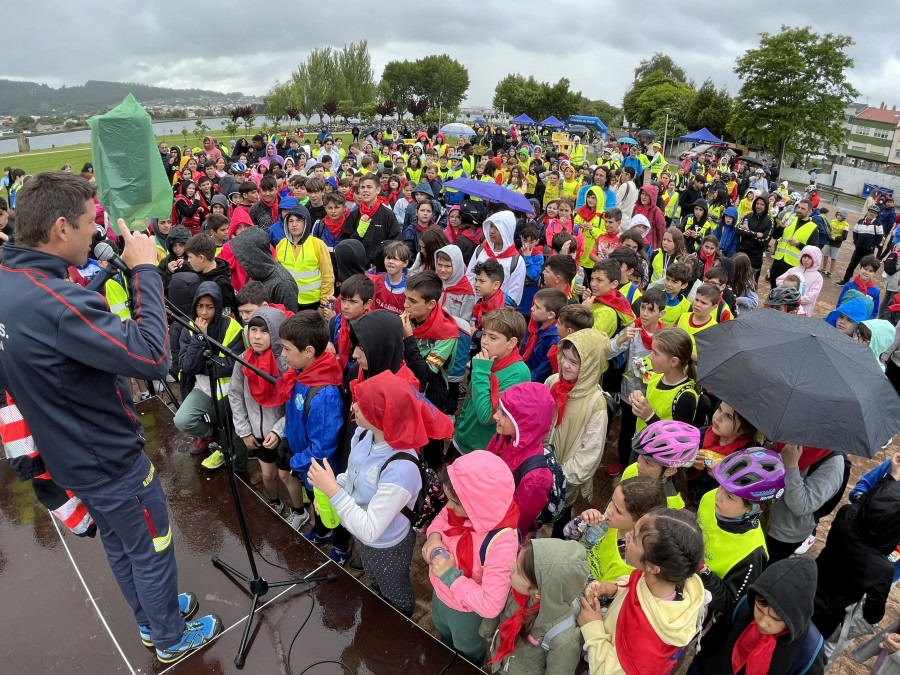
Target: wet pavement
[64,613]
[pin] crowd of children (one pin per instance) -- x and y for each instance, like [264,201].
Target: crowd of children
[451,367]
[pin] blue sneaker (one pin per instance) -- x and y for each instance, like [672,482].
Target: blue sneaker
[339,556]
[197,634]
[313,538]
[187,605]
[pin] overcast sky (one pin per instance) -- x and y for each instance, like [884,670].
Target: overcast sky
[245,46]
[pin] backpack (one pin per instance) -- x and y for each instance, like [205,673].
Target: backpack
[342,438]
[431,498]
[456,369]
[556,498]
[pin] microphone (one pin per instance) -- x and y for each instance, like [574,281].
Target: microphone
[104,252]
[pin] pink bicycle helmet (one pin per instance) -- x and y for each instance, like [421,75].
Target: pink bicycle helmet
[667,442]
[755,474]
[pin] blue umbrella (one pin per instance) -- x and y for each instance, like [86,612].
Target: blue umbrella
[490,191]
[579,128]
[630,141]
[479,120]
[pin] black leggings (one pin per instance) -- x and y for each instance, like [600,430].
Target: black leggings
[626,433]
[779,550]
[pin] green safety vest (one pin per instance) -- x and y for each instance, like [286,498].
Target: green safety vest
[723,549]
[791,254]
[468,165]
[673,502]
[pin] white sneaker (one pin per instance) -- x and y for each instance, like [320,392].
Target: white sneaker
[806,545]
[278,507]
[298,519]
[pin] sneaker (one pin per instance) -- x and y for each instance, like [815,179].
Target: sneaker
[339,556]
[145,395]
[187,605]
[298,519]
[214,461]
[201,445]
[243,475]
[806,545]
[356,564]
[614,469]
[277,507]
[197,634]
[312,537]
[170,378]
[839,283]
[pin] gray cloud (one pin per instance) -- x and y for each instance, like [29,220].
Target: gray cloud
[240,46]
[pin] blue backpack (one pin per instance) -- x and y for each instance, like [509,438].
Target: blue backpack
[556,498]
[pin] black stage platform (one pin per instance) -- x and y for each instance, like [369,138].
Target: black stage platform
[63,613]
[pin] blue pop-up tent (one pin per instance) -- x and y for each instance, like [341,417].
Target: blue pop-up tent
[523,119]
[592,122]
[702,136]
[552,122]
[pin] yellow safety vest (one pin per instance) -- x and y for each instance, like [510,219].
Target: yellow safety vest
[658,164]
[671,202]
[303,267]
[468,165]
[673,502]
[656,265]
[663,400]
[234,329]
[791,254]
[577,155]
[723,549]
[452,175]
[118,299]
[605,560]
[414,175]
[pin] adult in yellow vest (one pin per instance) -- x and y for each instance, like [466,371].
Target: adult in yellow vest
[800,231]
[117,297]
[576,154]
[468,160]
[307,259]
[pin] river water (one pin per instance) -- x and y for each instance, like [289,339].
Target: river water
[9,145]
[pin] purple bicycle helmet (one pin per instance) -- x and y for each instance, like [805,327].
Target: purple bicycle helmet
[755,474]
[667,442]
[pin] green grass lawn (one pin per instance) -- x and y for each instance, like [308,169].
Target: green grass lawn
[36,161]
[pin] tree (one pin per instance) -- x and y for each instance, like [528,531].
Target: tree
[346,109]
[398,81]
[417,107]
[658,70]
[794,90]
[355,67]
[663,63]
[386,109]
[608,113]
[200,130]
[329,108]
[710,108]
[536,99]
[442,80]
[367,112]
[658,93]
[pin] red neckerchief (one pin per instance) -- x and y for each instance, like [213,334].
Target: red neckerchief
[496,366]
[461,287]
[697,325]
[863,288]
[343,342]
[560,393]
[459,526]
[707,261]
[753,650]
[586,214]
[273,207]
[439,325]
[895,303]
[712,443]
[505,253]
[509,629]
[808,457]
[403,371]
[281,308]
[617,301]
[647,337]
[366,210]
[262,392]
[552,354]
[334,227]
[530,343]
[638,646]
[488,304]
[324,370]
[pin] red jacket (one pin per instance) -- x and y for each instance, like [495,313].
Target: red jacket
[652,212]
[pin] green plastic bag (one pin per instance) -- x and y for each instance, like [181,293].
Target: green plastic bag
[131,180]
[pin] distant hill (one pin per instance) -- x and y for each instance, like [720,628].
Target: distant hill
[32,98]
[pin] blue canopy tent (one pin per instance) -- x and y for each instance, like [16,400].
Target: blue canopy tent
[523,119]
[702,136]
[591,122]
[552,122]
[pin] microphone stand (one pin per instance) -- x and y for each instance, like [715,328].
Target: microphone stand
[256,584]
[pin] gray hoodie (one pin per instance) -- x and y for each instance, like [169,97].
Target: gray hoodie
[457,304]
[254,252]
[250,417]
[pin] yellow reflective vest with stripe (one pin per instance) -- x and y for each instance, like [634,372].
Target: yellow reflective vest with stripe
[118,298]
[576,156]
[453,174]
[785,251]
[303,263]
[724,549]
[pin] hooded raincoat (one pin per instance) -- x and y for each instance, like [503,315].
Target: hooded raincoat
[812,280]
[458,297]
[254,252]
[656,218]
[513,265]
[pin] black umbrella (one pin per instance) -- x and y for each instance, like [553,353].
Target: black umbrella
[799,380]
[747,159]
[649,133]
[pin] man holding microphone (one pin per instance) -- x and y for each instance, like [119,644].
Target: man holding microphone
[58,340]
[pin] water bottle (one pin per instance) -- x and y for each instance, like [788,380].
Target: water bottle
[590,534]
[438,551]
[327,514]
[579,279]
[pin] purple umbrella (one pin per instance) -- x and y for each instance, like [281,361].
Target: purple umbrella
[490,191]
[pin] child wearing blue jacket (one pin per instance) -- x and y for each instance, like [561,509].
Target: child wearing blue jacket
[542,332]
[533,255]
[375,497]
[727,234]
[314,408]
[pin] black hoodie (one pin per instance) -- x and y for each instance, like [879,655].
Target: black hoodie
[179,234]
[751,225]
[253,251]
[789,586]
[854,560]
[379,334]
[182,288]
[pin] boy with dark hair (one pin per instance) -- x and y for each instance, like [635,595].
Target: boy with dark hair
[372,223]
[678,278]
[542,332]
[390,286]
[488,281]
[863,281]
[176,260]
[430,337]
[217,227]
[298,189]
[249,194]
[315,190]
[495,368]
[314,409]
[571,318]
[192,417]
[201,256]
[328,229]
[250,298]
[718,277]
[564,243]
[265,212]
[630,263]
[356,299]
[701,315]
[559,272]
[612,312]
[534,263]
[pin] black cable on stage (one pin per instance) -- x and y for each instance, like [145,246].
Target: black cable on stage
[452,661]
[297,634]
